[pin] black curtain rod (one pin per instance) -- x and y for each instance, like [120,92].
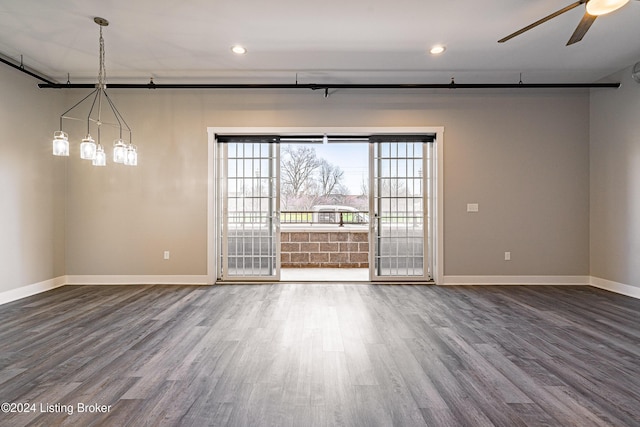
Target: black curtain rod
[314,86]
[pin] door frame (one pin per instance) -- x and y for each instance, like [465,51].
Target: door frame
[214,197]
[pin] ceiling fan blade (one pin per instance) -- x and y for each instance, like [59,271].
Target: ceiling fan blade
[543,20]
[582,28]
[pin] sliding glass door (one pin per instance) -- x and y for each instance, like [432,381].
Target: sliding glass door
[401,206]
[250,243]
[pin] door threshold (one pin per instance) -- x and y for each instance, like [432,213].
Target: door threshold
[321,282]
[324,275]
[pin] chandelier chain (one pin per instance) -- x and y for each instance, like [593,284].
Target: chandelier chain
[102,72]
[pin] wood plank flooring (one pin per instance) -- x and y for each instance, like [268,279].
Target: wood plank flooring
[322,355]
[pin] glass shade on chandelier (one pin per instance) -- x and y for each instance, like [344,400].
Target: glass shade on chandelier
[101,157]
[88,148]
[60,144]
[119,150]
[131,156]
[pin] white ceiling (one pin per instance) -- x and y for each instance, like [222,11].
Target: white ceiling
[332,41]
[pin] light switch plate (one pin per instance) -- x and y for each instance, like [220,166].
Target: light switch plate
[472,207]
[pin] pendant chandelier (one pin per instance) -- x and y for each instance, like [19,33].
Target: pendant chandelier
[91,149]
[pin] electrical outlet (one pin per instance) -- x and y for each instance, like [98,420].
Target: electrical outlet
[507,256]
[166,254]
[472,207]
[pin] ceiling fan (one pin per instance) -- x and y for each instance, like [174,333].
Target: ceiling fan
[594,8]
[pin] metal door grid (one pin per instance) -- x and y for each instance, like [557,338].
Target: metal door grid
[250,213]
[402,196]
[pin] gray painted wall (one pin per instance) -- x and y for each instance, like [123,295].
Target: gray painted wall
[615,182]
[522,155]
[31,183]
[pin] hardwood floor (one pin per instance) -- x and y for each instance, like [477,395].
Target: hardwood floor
[322,355]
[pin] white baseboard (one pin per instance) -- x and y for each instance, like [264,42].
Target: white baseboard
[36,288]
[138,280]
[28,290]
[516,280]
[619,288]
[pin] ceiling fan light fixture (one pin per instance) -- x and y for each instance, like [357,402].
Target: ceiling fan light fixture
[602,7]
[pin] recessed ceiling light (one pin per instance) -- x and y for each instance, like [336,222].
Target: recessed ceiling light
[239,50]
[437,49]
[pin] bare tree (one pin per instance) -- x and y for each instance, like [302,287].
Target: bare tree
[390,187]
[364,187]
[329,178]
[308,180]
[298,165]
